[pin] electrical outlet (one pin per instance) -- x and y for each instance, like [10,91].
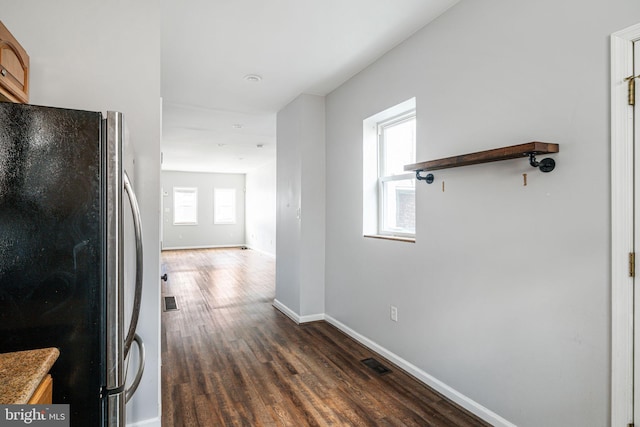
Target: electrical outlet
[394,313]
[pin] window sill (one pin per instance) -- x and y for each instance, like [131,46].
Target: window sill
[396,238]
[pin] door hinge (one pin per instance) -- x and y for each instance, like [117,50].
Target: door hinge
[631,82]
[632,264]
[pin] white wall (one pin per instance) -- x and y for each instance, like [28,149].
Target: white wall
[300,217]
[205,234]
[261,209]
[505,295]
[106,56]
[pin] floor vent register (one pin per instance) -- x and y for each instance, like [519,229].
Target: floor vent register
[170,304]
[376,366]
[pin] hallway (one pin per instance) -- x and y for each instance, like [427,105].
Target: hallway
[231,359]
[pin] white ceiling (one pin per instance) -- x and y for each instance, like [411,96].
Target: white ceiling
[296,46]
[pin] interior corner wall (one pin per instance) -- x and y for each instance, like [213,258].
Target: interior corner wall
[505,295]
[300,217]
[204,234]
[82,55]
[261,209]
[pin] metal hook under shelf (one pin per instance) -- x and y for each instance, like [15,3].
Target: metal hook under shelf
[545,165]
[428,178]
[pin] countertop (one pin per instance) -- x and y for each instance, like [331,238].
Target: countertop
[22,371]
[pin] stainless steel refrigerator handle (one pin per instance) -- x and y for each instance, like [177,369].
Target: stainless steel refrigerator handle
[137,226]
[114,369]
[141,359]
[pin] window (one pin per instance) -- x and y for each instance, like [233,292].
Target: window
[224,206]
[185,206]
[396,188]
[389,143]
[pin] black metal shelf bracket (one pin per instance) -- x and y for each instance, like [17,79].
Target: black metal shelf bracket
[545,165]
[428,178]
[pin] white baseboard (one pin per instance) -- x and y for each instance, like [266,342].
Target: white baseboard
[462,400]
[286,311]
[153,422]
[181,248]
[261,251]
[295,316]
[452,394]
[311,318]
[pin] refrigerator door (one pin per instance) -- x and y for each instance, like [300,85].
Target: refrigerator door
[51,247]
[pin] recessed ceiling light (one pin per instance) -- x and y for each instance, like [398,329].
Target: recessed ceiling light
[253,78]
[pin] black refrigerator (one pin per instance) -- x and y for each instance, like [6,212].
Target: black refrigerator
[64,195]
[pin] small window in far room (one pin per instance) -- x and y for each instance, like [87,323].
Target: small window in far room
[224,206]
[389,143]
[185,206]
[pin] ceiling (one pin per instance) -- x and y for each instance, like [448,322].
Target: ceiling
[215,119]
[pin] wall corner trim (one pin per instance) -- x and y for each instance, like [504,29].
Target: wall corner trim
[462,400]
[295,316]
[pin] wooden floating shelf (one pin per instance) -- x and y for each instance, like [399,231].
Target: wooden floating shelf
[497,154]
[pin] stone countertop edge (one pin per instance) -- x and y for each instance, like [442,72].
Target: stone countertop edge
[21,373]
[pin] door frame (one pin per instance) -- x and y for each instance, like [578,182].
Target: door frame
[622,229]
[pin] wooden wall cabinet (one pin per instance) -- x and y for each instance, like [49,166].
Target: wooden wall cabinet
[14,69]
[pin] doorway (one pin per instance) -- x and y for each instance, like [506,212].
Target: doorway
[625,182]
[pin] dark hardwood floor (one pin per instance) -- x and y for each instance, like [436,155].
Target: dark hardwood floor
[231,359]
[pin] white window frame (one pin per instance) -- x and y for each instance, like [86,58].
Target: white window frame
[371,211]
[383,230]
[185,190]
[217,194]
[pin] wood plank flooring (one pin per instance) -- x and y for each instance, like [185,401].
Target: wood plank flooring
[231,359]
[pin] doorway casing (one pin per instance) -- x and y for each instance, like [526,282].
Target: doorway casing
[622,228]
